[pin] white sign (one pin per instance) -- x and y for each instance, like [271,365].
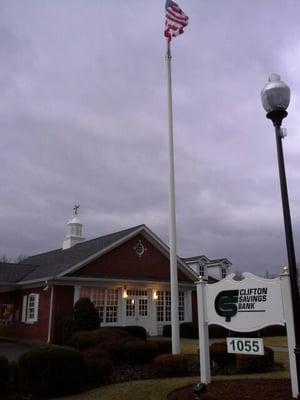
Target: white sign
[243,306]
[247,305]
[245,346]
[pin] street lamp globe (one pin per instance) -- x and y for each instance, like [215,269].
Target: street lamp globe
[275,95]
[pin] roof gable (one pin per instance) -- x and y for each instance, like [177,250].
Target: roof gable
[124,263]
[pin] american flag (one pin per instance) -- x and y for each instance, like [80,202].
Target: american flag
[176,20]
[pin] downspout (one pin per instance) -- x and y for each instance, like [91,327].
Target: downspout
[50,315]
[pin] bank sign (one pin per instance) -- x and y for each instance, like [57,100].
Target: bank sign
[246,305]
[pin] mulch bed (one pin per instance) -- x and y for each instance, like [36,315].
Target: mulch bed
[253,389]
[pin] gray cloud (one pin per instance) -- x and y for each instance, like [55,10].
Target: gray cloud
[83,118]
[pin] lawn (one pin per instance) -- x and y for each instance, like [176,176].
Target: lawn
[159,388]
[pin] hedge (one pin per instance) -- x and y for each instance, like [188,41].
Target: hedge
[190,330]
[242,362]
[136,331]
[4,372]
[219,355]
[51,369]
[171,364]
[138,351]
[85,339]
[254,363]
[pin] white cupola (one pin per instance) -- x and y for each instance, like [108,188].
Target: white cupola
[74,231]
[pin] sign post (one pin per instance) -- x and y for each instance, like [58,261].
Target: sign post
[203,332]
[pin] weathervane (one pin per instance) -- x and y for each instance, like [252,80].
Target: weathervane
[76,209]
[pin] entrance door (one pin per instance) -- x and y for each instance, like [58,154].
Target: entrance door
[137,308]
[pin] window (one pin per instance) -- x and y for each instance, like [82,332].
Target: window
[105,302]
[98,299]
[160,306]
[163,306]
[6,312]
[223,272]
[30,308]
[139,248]
[111,305]
[143,307]
[181,306]
[167,306]
[201,270]
[130,308]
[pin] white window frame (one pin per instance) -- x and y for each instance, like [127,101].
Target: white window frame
[223,272]
[30,308]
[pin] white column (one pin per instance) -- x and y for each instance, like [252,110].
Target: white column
[290,329]
[121,308]
[205,376]
[188,306]
[152,311]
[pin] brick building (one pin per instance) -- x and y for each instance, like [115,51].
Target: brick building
[126,275]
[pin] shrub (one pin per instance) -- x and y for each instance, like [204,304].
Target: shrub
[163,346]
[255,363]
[85,316]
[136,331]
[83,340]
[217,332]
[171,364]
[96,352]
[98,370]
[273,330]
[189,330]
[51,369]
[219,355]
[4,372]
[138,351]
[167,331]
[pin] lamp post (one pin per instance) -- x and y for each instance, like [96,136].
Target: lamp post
[275,99]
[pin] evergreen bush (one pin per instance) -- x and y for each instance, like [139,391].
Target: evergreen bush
[171,364]
[138,351]
[219,355]
[51,370]
[255,363]
[85,317]
[4,373]
[136,331]
[189,330]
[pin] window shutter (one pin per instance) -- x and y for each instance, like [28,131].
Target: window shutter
[36,306]
[24,308]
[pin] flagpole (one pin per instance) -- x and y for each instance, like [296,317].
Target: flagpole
[172,221]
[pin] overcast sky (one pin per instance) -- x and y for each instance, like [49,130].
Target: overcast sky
[83,119]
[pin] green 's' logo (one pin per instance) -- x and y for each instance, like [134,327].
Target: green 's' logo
[226,304]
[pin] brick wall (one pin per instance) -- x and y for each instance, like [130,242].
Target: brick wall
[123,262]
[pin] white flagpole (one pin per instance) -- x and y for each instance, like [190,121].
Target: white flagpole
[172,222]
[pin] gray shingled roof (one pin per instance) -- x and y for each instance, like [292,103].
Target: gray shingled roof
[12,273]
[54,262]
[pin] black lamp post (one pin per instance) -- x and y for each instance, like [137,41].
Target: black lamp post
[275,99]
